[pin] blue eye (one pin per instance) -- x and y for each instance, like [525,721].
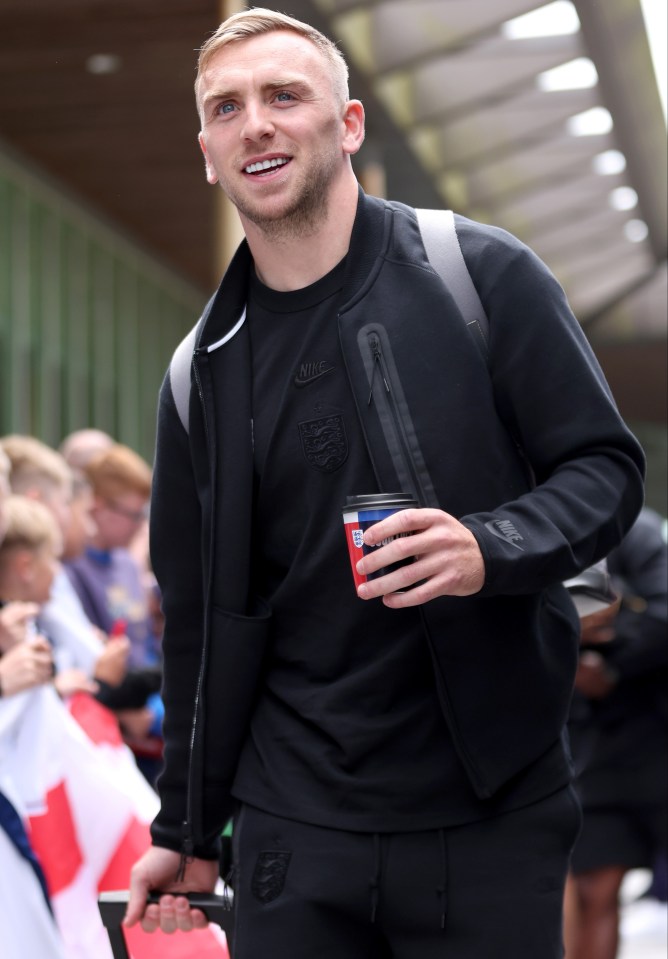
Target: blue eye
[284,96]
[225,108]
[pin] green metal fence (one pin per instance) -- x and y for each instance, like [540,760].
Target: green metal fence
[88,321]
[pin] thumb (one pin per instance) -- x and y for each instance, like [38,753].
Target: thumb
[137,902]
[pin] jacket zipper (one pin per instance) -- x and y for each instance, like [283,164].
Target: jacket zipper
[386,403]
[188,840]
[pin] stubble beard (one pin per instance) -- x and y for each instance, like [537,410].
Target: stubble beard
[306,212]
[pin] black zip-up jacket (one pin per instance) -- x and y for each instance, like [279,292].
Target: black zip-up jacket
[445,427]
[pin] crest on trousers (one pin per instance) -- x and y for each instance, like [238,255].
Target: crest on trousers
[269,875]
[324,442]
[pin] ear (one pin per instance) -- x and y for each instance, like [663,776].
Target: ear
[353,126]
[211,175]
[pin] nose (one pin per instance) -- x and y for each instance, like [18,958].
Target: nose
[258,123]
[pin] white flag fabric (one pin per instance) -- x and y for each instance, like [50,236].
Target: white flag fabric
[27,928]
[89,809]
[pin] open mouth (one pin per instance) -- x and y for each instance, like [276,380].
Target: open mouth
[263,167]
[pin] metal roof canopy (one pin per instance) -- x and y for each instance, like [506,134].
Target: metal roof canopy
[466,96]
[455,114]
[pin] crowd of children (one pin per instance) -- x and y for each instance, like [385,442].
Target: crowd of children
[78,624]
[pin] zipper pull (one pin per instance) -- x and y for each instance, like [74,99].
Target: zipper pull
[187,850]
[377,362]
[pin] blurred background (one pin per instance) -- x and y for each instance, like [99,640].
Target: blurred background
[546,119]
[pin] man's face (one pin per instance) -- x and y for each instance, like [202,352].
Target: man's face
[273,130]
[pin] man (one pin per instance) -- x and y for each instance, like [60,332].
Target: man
[394,759]
[618,729]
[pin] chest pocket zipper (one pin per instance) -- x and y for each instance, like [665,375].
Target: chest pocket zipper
[386,394]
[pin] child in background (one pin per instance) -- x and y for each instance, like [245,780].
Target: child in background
[112,588]
[40,473]
[28,559]
[106,576]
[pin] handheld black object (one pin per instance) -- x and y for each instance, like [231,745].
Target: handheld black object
[112,906]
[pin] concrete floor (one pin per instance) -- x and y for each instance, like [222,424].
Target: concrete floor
[644,923]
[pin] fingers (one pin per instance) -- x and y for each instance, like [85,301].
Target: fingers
[444,559]
[25,666]
[136,907]
[172,914]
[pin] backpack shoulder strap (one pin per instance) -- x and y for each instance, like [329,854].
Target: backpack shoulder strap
[439,236]
[179,375]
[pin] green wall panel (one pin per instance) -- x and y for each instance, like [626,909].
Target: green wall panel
[88,320]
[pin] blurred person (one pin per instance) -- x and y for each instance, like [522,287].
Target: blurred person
[14,620]
[81,446]
[26,919]
[105,576]
[40,472]
[393,757]
[112,589]
[5,468]
[25,665]
[22,665]
[29,564]
[14,617]
[29,551]
[79,642]
[74,795]
[619,726]
[81,648]
[78,449]
[28,559]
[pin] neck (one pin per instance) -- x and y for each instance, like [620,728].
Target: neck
[291,260]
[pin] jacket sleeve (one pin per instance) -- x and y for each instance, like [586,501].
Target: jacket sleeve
[176,556]
[587,467]
[640,568]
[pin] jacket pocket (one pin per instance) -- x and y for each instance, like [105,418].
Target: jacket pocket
[235,669]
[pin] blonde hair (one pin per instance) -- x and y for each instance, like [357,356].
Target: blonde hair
[28,525]
[81,446]
[5,467]
[5,470]
[119,470]
[34,465]
[253,23]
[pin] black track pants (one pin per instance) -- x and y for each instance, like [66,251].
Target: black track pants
[488,890]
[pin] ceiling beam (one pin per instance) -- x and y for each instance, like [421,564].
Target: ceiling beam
[616,38]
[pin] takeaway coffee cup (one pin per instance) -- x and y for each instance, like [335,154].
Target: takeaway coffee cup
[361,512]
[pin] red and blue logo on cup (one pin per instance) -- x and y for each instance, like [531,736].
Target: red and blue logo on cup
[363,511]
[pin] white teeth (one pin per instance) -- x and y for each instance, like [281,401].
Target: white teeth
[266,165]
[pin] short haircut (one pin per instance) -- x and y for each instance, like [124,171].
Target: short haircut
[253,23]
[28,525]
[117,471]
[34,465]
[81,446]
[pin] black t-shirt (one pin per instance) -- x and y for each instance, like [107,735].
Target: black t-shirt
[348,731]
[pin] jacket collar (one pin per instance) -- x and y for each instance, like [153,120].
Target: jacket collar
[225,312]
